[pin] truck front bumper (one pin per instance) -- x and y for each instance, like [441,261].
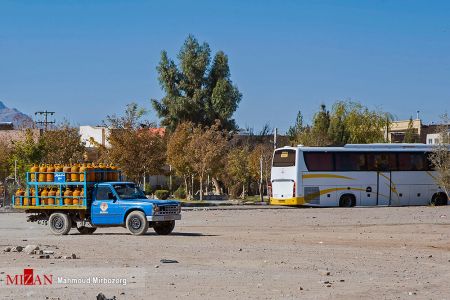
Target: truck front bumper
[164,218]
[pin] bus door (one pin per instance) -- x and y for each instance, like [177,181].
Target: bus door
[384,187]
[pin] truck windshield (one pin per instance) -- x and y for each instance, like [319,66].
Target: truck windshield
[129,191]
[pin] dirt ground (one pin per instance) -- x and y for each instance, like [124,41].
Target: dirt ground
[370,253]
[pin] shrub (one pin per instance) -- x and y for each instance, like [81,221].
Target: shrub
[180,193]
[162,194]
[148,190]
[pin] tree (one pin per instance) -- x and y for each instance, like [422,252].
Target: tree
[238,169]
[178,156]
[294,131]
[410,133]
[196,91]
[262,151]
[26,152]
[440,157]
[137,149]
[206,148]
[62,145]
[5,153]
[319,130]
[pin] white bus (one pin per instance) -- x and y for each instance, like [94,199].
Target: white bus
[355,175]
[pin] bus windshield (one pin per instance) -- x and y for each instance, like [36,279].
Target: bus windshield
[129,191]
[284,158]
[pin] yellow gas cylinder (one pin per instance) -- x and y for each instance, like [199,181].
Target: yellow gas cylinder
[51,173]
[82,169]
[19,194]
[68,193]
[76,196]
[26,199]
[98,174]
[58,168]
[51,195]
[115,173]
[42,176]
[44,196]
[66,169]
[58,196]
[75,176]
[33,197]
[34,169]
[89,174]
[109,174]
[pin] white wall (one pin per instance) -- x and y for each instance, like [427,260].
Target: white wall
[98,133]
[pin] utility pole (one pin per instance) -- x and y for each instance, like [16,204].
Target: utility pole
[261,179]
[275,138]
[45,120]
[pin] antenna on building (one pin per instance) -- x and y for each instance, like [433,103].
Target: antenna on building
[418,112]
[45,114]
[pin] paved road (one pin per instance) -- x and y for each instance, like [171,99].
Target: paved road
[370,253]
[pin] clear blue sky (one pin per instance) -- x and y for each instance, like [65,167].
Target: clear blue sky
[87,59]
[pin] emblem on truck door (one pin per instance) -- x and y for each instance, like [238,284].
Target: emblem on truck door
[104,207]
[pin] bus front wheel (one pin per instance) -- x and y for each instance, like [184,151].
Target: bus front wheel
[347,200]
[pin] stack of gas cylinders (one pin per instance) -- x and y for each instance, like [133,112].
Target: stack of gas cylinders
[72,195]
[75,172]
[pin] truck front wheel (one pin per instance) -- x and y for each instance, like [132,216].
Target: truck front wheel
[164,228]
[60,223]
[137,223]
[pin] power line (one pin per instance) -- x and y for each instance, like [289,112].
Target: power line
[45,115]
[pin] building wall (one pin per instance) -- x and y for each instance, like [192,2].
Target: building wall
[98,133]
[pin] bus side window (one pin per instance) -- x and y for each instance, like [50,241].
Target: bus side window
[382,161]
[411,161]
[319,161]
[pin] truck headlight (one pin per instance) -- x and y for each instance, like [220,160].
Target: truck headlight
[155,208]
[178,209]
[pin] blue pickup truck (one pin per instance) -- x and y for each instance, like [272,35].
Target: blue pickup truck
[86,206]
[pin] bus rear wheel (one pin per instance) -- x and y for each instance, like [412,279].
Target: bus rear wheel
[439,199]
[347,201]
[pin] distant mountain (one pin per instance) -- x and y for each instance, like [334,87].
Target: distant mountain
[13,115]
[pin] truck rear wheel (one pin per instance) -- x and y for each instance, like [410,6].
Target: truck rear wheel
[164,228]
[137,224]
[60,223]
[86,230]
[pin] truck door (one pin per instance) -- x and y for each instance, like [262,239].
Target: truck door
[105,207]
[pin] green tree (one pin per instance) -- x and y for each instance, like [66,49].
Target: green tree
[178,156]
[136,149]
[321,124]
[352,122]
[295,130]
[238,169]
[410,133]
[26,152]
[196,91]
[62,145]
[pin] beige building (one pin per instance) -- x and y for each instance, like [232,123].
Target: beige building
[397,130]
